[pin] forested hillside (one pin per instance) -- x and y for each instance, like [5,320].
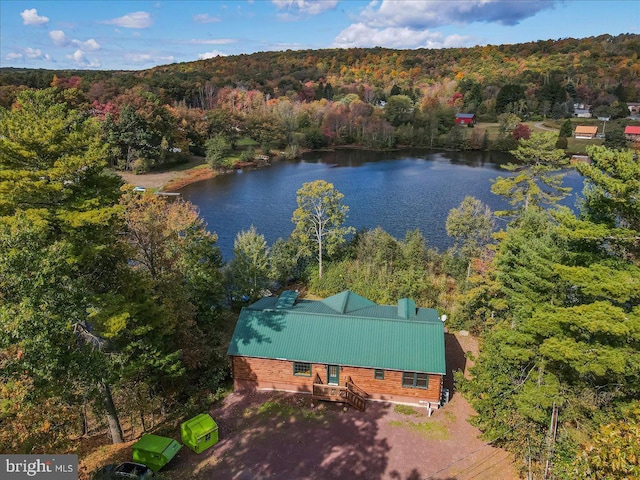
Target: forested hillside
[594,67]
[376,98]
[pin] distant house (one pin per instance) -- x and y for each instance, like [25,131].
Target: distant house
[344,348]
[466,118]
[585,131]
[582,113]
[634,109]
[632,133]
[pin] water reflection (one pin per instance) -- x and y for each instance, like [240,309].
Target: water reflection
[398,191]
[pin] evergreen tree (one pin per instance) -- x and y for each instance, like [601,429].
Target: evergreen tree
[614,138]
[566,130]
[328,91]
[509,95]
[566,331]
[535,182]
[59,247]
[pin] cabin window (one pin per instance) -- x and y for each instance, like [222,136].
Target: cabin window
[378,374]
[302,369]
[415,380]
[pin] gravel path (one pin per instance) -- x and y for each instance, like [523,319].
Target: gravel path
[541,126]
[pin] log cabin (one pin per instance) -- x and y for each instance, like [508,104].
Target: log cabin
[343,348]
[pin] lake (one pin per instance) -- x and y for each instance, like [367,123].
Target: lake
[398,191]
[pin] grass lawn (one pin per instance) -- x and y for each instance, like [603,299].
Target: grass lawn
[494,128]
[247,142]
[579,145]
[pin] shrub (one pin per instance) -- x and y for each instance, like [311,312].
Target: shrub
[562,143]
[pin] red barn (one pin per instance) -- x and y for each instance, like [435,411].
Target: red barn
[466,118]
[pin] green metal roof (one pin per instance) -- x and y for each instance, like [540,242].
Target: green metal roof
[345,329]
[347,302]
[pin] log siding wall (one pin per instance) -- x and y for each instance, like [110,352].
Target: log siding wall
[269,374]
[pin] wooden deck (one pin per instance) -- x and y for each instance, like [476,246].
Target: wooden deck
[350,393]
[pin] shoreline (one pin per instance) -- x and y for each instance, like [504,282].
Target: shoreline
[197,170]
[173,180]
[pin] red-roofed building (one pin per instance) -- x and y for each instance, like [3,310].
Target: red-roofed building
[632,133]
[468,119]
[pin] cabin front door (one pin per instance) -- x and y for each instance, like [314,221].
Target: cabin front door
[333,374]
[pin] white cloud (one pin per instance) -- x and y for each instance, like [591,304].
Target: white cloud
[33,52]
[410,23]
[59,38]
[138,57]
[210,41]
[80,59]
[287,17]
[148,58]
[78,56]
[421,14]
[305,7]
[211,54]
[361,35]
[132,20]
[167,59]
[205,18]
[31,17]
[90,44]
[30,53]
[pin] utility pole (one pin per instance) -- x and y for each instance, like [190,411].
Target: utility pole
[604,121]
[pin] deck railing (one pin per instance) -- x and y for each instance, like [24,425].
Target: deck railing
[329,392]
[350,393]
[356,389]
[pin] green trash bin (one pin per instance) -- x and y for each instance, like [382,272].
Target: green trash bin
[155,451]
[200,432]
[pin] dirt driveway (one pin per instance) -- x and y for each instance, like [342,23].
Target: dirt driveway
[287,436]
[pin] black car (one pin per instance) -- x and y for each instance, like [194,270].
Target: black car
[126,470]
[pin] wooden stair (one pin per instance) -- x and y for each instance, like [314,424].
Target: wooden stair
[350,393]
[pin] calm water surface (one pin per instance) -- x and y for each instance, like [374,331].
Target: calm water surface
[397,191]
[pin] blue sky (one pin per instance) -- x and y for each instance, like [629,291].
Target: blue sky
[135,35]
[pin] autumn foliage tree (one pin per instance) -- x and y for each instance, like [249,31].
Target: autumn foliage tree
[319,219]
[521,132]
[471,225]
